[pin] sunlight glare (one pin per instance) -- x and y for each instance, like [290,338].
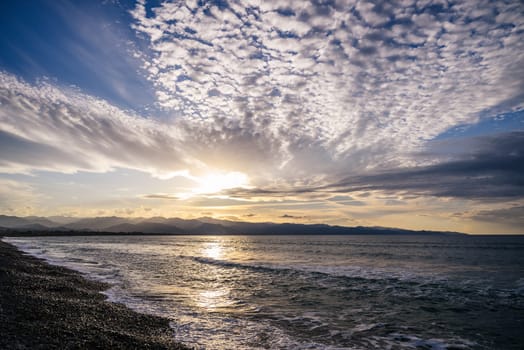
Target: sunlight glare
[213,299]
[213,251]
[216,182]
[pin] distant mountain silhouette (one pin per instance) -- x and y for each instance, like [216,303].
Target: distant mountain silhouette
[13,221]
[145,227]
[98,223]
[177,226]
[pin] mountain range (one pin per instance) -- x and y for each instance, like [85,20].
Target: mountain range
[177,226]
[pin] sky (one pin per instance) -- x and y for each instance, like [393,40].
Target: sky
[398,113]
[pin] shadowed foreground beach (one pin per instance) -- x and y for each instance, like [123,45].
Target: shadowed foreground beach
[45,306]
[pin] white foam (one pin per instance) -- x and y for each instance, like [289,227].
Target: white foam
[351,271]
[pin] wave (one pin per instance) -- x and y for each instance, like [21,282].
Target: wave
[394,281]
[354,272]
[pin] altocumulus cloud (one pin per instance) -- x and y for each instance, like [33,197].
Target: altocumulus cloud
[331,85]
[53,128]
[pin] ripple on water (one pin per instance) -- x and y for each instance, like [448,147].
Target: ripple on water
[303,292]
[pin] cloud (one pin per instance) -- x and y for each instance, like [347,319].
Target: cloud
[324,86]
[47,127]
[287,216]
[346,200]
[160,196]
[512,216]
[44,127]
[214,202]
[491,169]
[311,100]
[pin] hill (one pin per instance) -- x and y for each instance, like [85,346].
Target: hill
[177,226]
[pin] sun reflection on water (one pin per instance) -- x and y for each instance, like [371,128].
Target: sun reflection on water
[213,299]
[213,250]
[216,295]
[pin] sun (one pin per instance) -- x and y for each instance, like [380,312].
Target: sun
[216,182]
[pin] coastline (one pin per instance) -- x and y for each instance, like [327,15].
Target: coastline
[47,306]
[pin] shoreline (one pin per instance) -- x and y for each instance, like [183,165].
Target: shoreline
[47,306]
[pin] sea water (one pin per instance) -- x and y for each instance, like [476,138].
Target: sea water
[312,292]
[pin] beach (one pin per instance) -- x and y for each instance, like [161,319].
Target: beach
[45,306]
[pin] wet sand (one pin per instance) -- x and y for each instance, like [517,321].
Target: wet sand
[50,307]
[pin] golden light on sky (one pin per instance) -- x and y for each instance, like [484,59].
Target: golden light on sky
[214,183]
[341,113]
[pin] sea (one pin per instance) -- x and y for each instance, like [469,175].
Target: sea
[311,292]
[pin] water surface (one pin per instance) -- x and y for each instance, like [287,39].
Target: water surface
[312,292]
